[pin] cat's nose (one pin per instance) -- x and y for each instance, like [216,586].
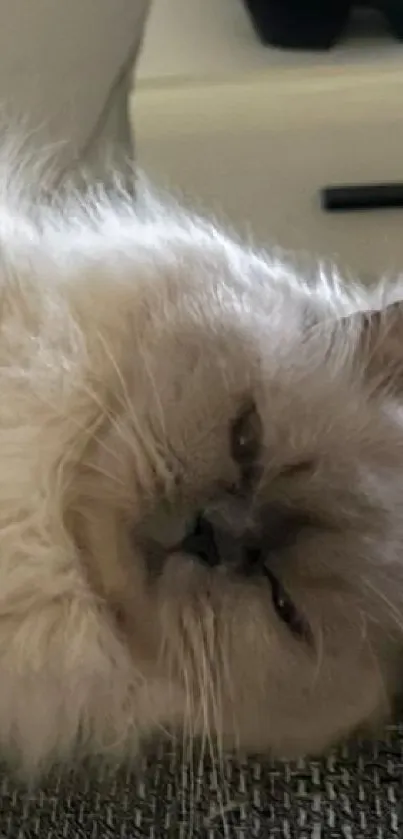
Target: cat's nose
[253,557]
[201,543]
[214,546]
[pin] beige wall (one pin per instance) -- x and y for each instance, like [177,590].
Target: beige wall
[259,148]
[59,60]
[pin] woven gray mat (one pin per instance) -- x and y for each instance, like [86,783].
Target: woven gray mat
[356,793]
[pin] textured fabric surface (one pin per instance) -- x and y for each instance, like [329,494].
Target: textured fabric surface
[356,793]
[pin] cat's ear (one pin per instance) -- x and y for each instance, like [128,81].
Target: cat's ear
[379,344]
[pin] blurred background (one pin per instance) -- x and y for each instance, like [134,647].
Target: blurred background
[254,132]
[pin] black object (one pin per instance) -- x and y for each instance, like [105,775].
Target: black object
[314,24]
[362,197]
[394,13]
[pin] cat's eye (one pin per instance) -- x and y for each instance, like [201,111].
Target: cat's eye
[299,467]
[245,437]
[286,609]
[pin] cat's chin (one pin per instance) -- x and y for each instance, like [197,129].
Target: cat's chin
[182,576]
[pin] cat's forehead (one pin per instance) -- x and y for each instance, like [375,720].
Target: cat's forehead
[313,415]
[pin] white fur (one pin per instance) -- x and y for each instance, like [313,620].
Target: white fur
[115,319]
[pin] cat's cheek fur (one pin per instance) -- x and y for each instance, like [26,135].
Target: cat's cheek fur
[250,683]
[69,689]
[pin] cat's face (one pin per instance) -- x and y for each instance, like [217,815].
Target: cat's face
[281,604]
[269,554]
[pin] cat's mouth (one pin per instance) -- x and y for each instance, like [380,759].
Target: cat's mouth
[214,549]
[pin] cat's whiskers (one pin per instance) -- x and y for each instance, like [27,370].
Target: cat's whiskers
[109,476]
[319,648]
[376,667]
[393,611]
[88,429]
[228,679]
[216,697]
[210,707]
[151,440]
[160,415]
[188,743]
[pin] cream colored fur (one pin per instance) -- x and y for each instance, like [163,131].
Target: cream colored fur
[130,338]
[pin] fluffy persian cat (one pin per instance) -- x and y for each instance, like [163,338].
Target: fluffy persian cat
[201,487]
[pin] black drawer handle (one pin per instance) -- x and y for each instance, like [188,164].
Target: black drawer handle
[344,199]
